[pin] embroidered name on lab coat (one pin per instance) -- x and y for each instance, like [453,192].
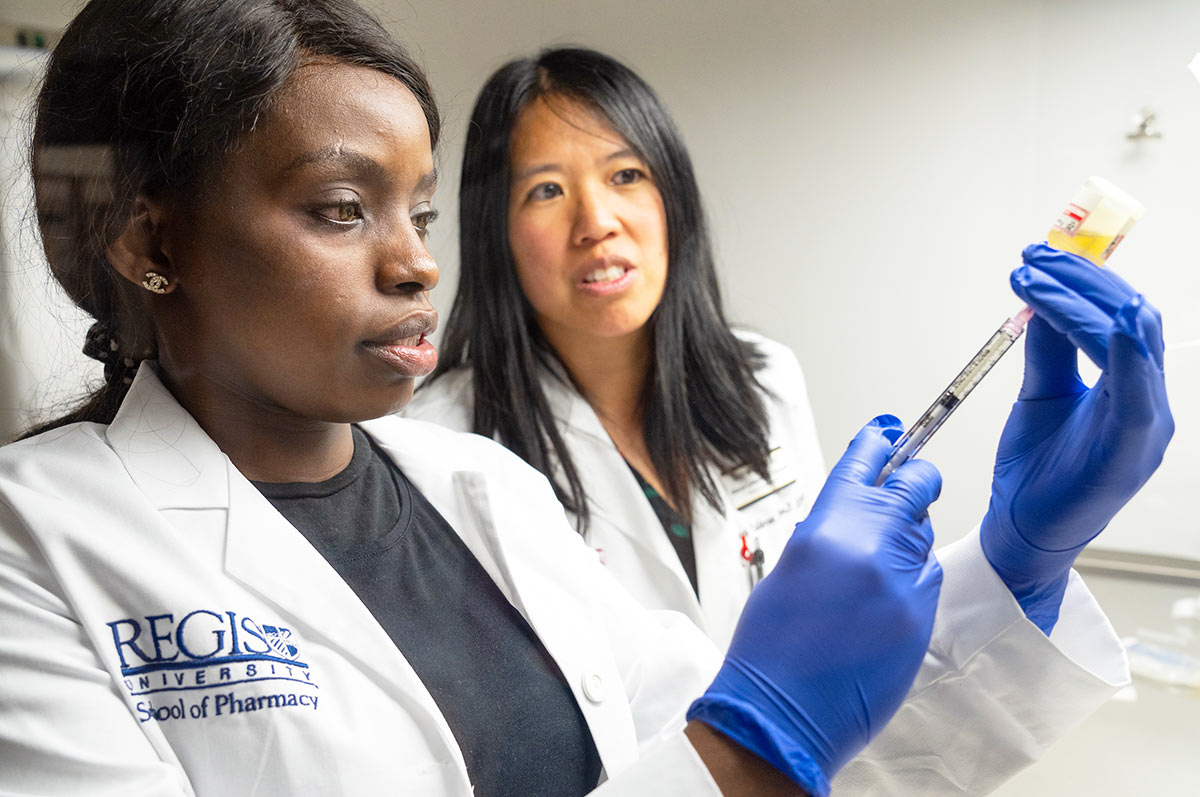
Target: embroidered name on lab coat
[209,664]
[748,488]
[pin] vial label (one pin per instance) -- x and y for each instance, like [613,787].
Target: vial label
[1112,246]
[1071,219]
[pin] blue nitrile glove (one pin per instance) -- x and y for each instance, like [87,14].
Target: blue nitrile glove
[1071,456]
[831,640]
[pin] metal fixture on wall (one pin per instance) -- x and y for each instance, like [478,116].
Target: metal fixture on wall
[1145,125]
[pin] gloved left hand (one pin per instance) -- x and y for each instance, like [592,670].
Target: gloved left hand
[1071,456]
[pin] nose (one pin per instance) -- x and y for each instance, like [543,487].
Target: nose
[404,264]
[595,218]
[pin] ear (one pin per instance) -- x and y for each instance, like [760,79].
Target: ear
[137,251]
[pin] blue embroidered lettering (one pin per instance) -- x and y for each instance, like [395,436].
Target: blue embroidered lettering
[218,635]
[253,630]
[148,711]
[159,638]
[229,703]
[233,635]
[131,642]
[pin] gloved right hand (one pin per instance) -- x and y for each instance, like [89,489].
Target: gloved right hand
[831,640]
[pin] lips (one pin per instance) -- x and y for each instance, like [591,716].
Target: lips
[403,347]
[606,275]
[409,330]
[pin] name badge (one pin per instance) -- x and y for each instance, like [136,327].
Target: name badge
[748,488]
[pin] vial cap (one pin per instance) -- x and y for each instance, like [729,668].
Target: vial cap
[1096,189]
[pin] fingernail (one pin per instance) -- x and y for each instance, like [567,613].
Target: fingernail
[1021,276]
[1127,316]
[887,421]
[1034,250]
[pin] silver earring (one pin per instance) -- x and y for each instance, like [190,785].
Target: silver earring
[155,282]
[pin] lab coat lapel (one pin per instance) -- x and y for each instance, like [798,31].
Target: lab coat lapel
[268,555]
[177,466]
[420,457]
[168,456]
[513,539]
[615,499]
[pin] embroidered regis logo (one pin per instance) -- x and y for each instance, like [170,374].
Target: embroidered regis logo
[200,637]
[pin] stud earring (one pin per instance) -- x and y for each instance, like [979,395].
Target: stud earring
[155,282]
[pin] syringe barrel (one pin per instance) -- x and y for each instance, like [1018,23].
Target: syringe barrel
[932,419]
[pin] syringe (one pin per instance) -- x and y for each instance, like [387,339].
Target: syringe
[908,445]
[1095,221]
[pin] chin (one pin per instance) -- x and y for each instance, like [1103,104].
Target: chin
[622,329]
[369,405]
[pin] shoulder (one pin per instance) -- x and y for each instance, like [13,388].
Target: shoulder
[779,371]
[49,481]
[448,400]
[58,461]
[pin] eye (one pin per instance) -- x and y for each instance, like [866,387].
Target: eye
[628,176]
[344,212]
[422,219]
[544,191]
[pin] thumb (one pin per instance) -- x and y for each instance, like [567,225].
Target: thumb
[868,452]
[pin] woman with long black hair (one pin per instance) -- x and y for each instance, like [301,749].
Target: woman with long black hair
[588,336]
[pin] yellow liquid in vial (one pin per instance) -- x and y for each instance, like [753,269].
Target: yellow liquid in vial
[1086,244]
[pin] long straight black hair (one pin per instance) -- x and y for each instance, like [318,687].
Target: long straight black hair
[702,404]
[148,96]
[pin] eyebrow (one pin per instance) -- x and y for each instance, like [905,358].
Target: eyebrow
[337,156]
[539,168]
[364,165]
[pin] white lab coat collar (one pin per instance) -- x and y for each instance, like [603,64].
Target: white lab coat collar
[168,456]
[177,465]
[462,495]
[609,498]
[458,492]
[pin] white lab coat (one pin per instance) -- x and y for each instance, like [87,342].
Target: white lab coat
[988,670]
[163,630]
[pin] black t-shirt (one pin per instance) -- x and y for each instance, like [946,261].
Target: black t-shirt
[514,717]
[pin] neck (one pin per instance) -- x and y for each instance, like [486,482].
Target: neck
[610,373]
[266,445]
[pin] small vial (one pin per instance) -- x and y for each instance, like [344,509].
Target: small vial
[1095,221]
